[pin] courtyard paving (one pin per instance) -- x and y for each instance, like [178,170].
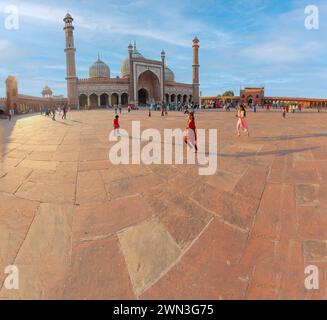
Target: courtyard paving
[79,227]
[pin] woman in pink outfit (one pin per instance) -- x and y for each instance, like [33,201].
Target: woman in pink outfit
[241,123]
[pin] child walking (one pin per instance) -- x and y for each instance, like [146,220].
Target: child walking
[284,112]
[191,137]
[241,123]
[116,126]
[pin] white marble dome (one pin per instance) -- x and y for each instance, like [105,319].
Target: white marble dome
[169,75]
[99,70]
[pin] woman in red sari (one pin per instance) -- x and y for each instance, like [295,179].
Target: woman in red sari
[191,137]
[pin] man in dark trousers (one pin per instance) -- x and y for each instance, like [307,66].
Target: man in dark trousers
[64,115]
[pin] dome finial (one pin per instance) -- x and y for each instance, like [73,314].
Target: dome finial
[68,18]
[98,56]
[134,45]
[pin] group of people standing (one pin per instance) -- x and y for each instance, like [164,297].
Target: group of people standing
[52,113]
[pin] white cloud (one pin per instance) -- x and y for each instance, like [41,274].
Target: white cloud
[4,45]
[276,52]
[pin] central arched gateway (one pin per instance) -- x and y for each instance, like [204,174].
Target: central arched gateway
[148,88]
[143,96]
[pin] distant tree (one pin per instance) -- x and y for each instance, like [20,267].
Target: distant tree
[229,94]
[219,95]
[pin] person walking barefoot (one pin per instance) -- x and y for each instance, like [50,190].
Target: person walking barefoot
[116,126]
[191,136]
[241,123]
[284,112]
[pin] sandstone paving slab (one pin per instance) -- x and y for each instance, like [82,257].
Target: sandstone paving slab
[46,252]
[257,292]
[290,212]
[48,193]
[39,165]
[208,270]
[277,202]
[57,177]
[312,222]
[90,187]
[184,219]
[19,171]
[91,154]
[101,220]
[237,209]
[257,249]
[302,176]
[231,164]
[253,182]
[315,251]
[322,170]
[44,148]
[9,163]
[16,216]
[19,154]
[113,174]
[223,180]
[137,185]
[40,156]
[149,251]
[138,170]
[98,271]
[183,184]
[307,195]
[166,172]
[66,156]
[94,165]
[292,280]
[67,167]
[11,182]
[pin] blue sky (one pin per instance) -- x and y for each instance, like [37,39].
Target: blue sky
[243,43]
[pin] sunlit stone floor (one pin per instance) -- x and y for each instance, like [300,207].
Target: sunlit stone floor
[79,227]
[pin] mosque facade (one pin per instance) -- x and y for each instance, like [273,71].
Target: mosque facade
[142,81]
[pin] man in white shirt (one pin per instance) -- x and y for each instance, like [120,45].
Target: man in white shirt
[11,114]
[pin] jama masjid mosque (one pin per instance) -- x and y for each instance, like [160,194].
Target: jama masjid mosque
[142,80]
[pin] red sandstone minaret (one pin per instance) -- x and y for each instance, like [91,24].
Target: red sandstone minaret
[196,67]
[72,92]
[12,93]
[163,59]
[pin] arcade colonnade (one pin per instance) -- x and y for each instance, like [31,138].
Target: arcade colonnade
[178,98]
[305,102]
[106,99]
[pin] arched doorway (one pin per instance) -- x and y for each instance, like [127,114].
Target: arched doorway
[114,99]
[149,81]
[124,99]
[184,98]
[93,100]
[104,100]
[179,98]
[83,100]
[143,96]
[172,98]
[191,98]
[167,97]
[250,101]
